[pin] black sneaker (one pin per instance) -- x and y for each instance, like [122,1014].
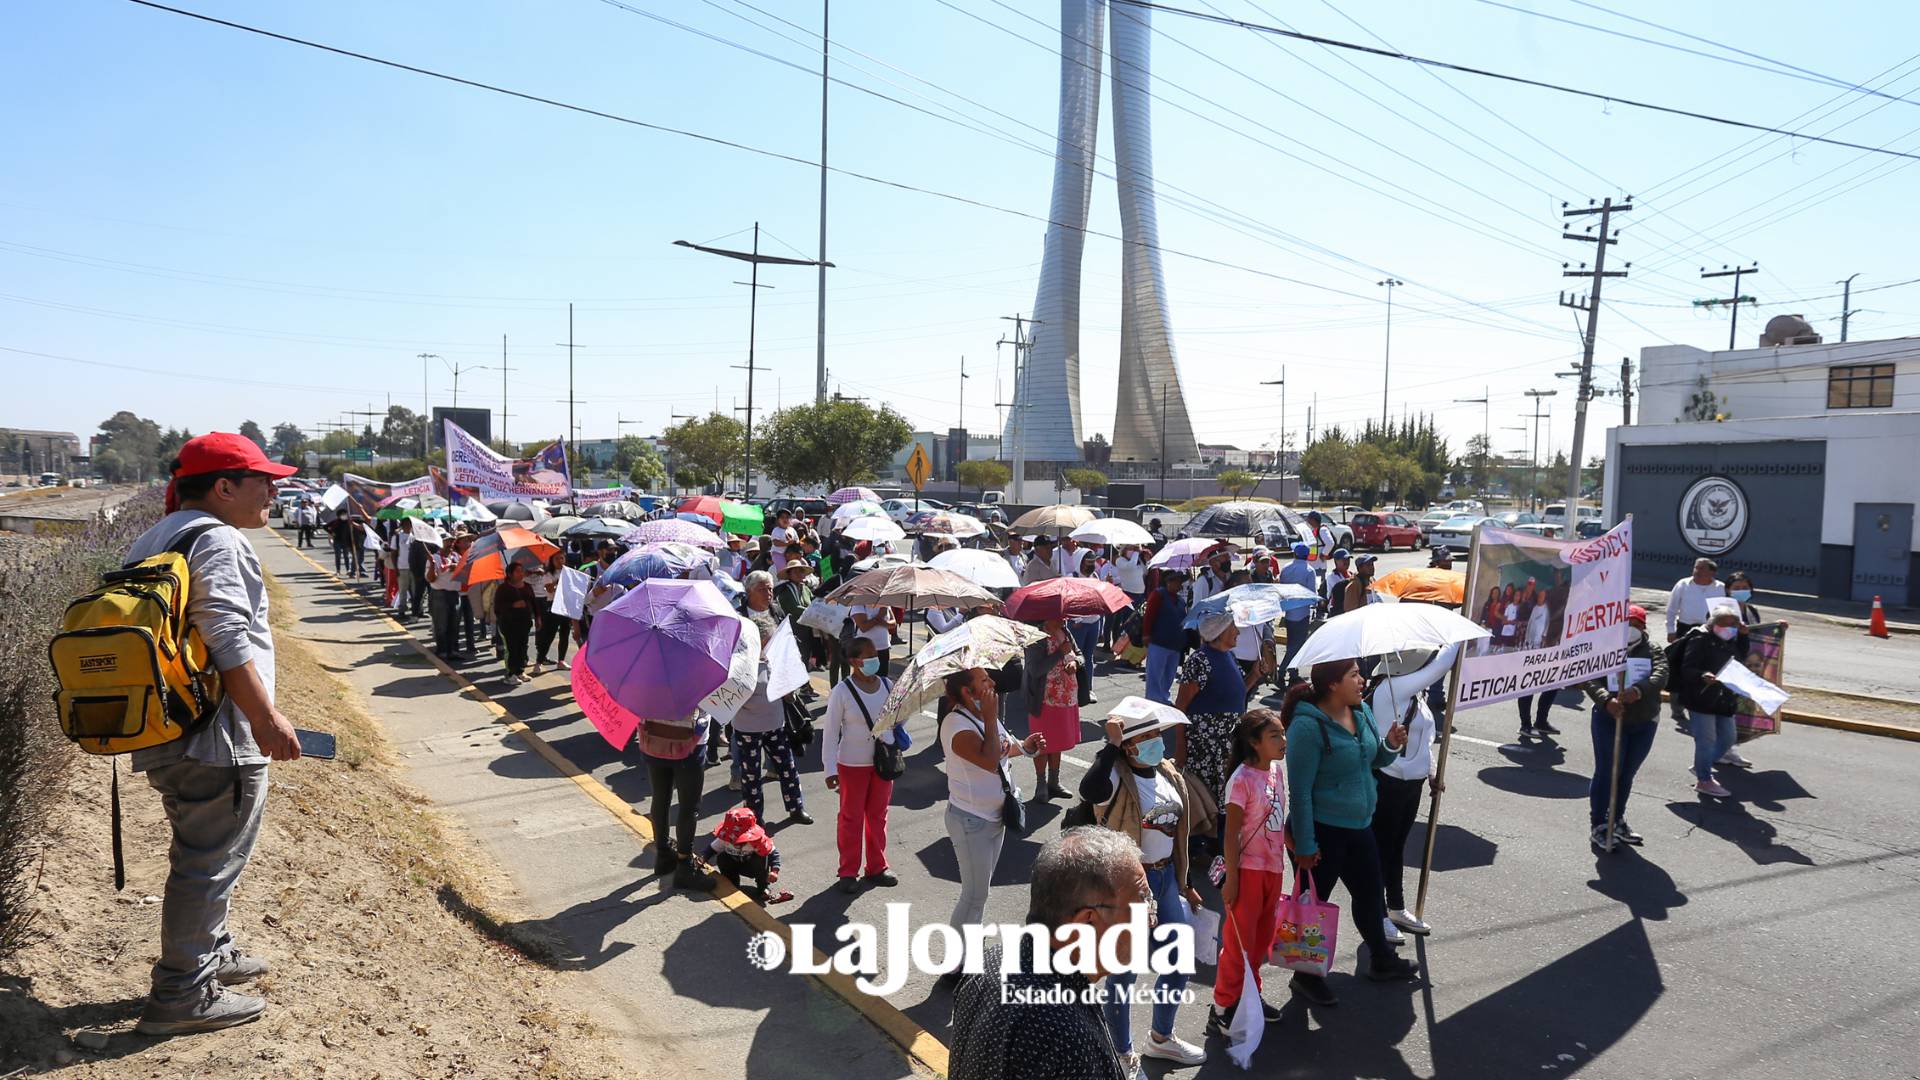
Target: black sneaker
[800,817]
[849,885]
[1624,833]
[689,876]
[1055,791]
[883,878]
[1526,731]
[1545,728]
[1312,987]
[1218,1019]
[1392,969]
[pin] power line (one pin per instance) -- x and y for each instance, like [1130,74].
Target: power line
[1484,73]
[776,155]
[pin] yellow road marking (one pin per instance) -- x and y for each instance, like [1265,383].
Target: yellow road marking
[919,1044]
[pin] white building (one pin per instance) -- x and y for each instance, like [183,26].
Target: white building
[1797,463]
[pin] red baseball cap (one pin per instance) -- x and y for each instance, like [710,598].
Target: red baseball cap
[224,451]
[1636,613]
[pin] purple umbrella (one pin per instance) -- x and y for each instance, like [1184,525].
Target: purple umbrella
[664,646]
[673,531]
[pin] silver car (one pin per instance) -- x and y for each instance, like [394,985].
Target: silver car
[1456,533]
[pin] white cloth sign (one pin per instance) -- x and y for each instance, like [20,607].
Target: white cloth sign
[743,674]
[786,671]
[1737,677]
[824,617]
[473,464]
[1583,586]
[373,542]
[334,497]
[570,592]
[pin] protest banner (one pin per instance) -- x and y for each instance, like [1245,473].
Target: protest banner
[473,464]
[410,489]
[1556,610]
[592,496]
[570,593]
[1766,658]
[368,494]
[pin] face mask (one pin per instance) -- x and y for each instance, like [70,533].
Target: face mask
[1635,635]
[870,666]
[1743,595]
[1726,633]
[1151,752]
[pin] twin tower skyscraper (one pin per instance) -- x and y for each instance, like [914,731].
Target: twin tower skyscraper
[1150,422]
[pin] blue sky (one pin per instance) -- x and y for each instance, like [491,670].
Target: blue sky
[250,229]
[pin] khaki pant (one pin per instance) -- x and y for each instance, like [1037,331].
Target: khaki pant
[215,813]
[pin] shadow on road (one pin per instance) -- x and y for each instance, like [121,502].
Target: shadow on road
[1536,772]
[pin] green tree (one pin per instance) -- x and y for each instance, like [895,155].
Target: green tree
[251,430]
[834,443]
[135,440]
[1330,463]
[288,440]
[170,443]
[633,457]
[1084,479]
[400,432]
[983,473]
[705,448]
[1236,481]
[109,466]
[337,442]
[1479,454]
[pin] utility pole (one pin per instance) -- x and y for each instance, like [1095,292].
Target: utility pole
[425,421]
[1386,365]
[1533,459]
[503,387]
[1281,382]
[820,337]
[1023,345]
[1311,409]
[573,429]
[1485,401]
[1606,237]
[1626,391]
[963,393]
[673,477]
[1163,442]
[1846,305]
[1733,329]
[753,258]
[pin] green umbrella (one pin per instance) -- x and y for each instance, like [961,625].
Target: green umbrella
[395,513]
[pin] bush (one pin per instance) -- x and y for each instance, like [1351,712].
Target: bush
[38,575]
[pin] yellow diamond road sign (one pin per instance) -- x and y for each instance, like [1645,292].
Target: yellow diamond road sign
[919,467]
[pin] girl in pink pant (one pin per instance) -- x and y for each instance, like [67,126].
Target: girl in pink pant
[846,751]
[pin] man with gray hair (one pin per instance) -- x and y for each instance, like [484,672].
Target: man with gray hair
[1021,1023]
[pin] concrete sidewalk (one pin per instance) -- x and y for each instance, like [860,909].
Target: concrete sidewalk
[670,967]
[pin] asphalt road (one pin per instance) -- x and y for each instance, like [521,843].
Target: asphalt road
[1769,935]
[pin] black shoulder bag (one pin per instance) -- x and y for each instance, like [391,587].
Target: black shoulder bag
[889,761]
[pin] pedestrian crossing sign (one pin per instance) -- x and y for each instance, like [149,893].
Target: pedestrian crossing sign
[919,467]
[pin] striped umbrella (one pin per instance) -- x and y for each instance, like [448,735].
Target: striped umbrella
[673,531]
[852,494]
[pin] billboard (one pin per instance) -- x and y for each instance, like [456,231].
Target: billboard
[475,422]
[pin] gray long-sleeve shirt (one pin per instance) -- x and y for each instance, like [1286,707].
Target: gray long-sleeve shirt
[227,603]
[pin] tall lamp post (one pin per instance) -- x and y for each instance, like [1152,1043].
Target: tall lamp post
[753,258]
[1534,458]
[1386,365]
[1486,440]
[1281,382]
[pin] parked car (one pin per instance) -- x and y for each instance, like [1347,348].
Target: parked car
[986,512]
[1587,530]
[1467,506]
[1145,509]
[1510,518]
[898,509]
[1456,533]
[1430,519]
[1343,514]
[1540,529]
[1384,531]
[1556,513]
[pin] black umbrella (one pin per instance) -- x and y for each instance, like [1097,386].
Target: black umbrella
[599,528]
[1242,518]
[516,511]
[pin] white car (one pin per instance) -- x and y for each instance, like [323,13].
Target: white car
[900,509]
[1456,533]
[1556,514]
[1154,508]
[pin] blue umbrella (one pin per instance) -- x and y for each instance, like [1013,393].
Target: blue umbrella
[699,519]
[1251,605]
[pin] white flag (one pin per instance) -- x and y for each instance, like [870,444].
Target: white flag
[334,496]
[1740,679]
[786,671]
[570,592]
[743,674]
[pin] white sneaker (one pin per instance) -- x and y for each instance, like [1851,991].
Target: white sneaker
[1406,920]
[1733,758]
[1394,936]
[1130,1066]
[1173,1049]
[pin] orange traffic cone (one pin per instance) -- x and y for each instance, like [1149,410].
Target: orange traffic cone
[1877,625]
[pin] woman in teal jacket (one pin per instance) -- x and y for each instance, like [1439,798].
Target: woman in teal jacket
[1332,749]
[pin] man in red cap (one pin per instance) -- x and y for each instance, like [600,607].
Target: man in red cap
[213,783]
[1629,703]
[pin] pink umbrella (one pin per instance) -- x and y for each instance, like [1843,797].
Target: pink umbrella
[1186,554]
[851,494]
[673,531]
[1065,598]
[654,654]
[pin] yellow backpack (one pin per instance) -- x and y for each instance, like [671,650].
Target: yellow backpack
[133,672]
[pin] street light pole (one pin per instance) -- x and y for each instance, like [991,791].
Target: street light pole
[1386,366]
[1533,459]
[1486,440]
[1281,382]
[425,422]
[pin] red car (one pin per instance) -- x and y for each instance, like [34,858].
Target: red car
[1384,531]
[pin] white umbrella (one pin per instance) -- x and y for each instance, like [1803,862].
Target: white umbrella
[881,562]
[1184,554]
[873,528]
[1111,531]
[987,569]
[859,508]
[1379,629]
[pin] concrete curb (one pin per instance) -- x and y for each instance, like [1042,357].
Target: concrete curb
[1863,727]
[919,1044]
